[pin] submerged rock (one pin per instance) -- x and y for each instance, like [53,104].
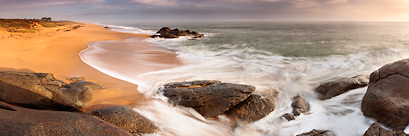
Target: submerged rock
[387,97]
[208,97]
[41,90]
[288,117]
[126,118]
[299,106]
[253,108]
[335,88]
[315,132]
[22,122]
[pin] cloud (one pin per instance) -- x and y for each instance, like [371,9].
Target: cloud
[215,9]
[159,3]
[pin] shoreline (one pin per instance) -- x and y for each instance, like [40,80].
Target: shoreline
[57,52]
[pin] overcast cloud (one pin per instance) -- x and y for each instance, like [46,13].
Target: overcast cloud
[94,10]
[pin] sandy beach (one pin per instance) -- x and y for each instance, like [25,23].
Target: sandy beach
[56,50]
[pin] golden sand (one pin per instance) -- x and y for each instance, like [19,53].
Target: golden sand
[56,50]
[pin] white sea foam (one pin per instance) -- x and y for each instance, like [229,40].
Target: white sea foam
[127,29]
[268,72]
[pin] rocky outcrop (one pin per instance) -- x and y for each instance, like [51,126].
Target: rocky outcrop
[387,97]
[335,88]
[41,90]
[377,130]
[208,97]
[315,132]
[166,32]
[16,121]
[253,108]
[299,106]
[288,117]
[126,118]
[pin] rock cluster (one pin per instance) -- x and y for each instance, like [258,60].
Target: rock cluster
[166,32]
[211,98]
[387,97]
[299,106]
[43,91]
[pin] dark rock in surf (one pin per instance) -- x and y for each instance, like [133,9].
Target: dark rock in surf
[166,32]
[169,35]
[315,132]
[28,122]
[299,106]
[126,118]
[335,88]
[387,97]
[288,117]
[199,36]
[41,90]
[253,108]
[208,97]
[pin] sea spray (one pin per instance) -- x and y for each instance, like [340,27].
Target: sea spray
[282,58]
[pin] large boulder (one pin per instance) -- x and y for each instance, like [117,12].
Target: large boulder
[208,97]
[126,118]
[335,88]
[387,97]
[299,106]
[16,121]
[41,90]
[253,108]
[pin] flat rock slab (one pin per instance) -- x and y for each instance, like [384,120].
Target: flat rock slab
[335,88]
[16,121]
[208,97]
[126,118]
[253,108]
[387,97]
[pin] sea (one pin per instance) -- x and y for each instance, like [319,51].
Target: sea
[282,58]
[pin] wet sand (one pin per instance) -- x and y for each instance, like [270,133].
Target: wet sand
[57,52]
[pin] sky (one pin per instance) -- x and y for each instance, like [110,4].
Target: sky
[94,11]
